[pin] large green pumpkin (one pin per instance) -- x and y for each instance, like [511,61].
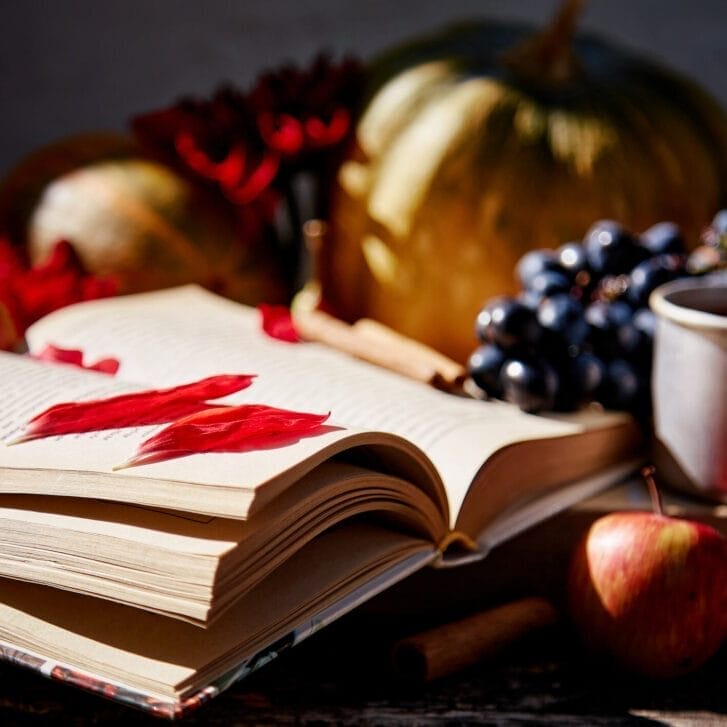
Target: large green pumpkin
[480,143]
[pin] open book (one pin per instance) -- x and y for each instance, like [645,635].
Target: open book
[166,582]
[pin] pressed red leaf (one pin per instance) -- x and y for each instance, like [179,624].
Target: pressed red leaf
[277,322]
[154,406]
[50,352]
[105,366]
[227,429]
[75,357]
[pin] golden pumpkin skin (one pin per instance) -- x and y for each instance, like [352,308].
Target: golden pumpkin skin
[134,219]
[460,166]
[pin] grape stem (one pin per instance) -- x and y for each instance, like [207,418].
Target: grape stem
[647,473]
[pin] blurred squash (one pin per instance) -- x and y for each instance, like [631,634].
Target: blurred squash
[482,142]
[132,218]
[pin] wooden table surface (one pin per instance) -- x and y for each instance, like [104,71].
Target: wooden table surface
[340,676]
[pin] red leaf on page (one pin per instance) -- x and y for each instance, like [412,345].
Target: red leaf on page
[105,366]
[50,352]
[227,429]
[278,323]
[75,357]
[155,406]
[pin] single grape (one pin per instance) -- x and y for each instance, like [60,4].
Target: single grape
[484,367]
[534,262]
[589,375]
[530,299]
[619,312]
[572,257]
[582,380]
[704,259]
[624,385]
[611,249]
[650,274]
[549,282]
[563,316]
[508,323]
[531,385]
[663,238]
[602,325]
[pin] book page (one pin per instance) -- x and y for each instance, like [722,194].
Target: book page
[168,657]
[83,464]
[193,567]
[173,336]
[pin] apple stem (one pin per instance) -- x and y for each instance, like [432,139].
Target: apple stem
[647,473]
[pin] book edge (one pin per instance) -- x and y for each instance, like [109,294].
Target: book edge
[172,709]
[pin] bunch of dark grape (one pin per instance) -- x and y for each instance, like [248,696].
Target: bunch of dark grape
[581,329]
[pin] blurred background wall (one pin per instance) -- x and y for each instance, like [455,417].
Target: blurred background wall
[78,65]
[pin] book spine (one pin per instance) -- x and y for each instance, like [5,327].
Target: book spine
[117,692]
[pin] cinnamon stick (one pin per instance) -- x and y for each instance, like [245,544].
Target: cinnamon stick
[380,345]
[451,373]
[457,645]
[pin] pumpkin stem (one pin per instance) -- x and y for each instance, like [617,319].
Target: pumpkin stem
[548,56]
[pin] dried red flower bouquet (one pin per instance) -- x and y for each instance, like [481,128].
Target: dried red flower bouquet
[251,149]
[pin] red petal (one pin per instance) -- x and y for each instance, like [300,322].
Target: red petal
[277,322]
[321,134]
[57,282]
[105,366]
[254,183]
[62,355]
[282,132]
[74,357]
[155,406]
[227,429]
[228,172]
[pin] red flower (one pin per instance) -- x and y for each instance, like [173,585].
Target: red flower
[57,282]
[250,147]
[236,142]
[28,293]
[304,111]
[214,141]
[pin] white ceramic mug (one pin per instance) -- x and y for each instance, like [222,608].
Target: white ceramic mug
[689,384]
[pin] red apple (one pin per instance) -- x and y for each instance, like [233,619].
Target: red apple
[651,591]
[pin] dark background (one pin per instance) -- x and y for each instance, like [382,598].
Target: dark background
[79,65]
